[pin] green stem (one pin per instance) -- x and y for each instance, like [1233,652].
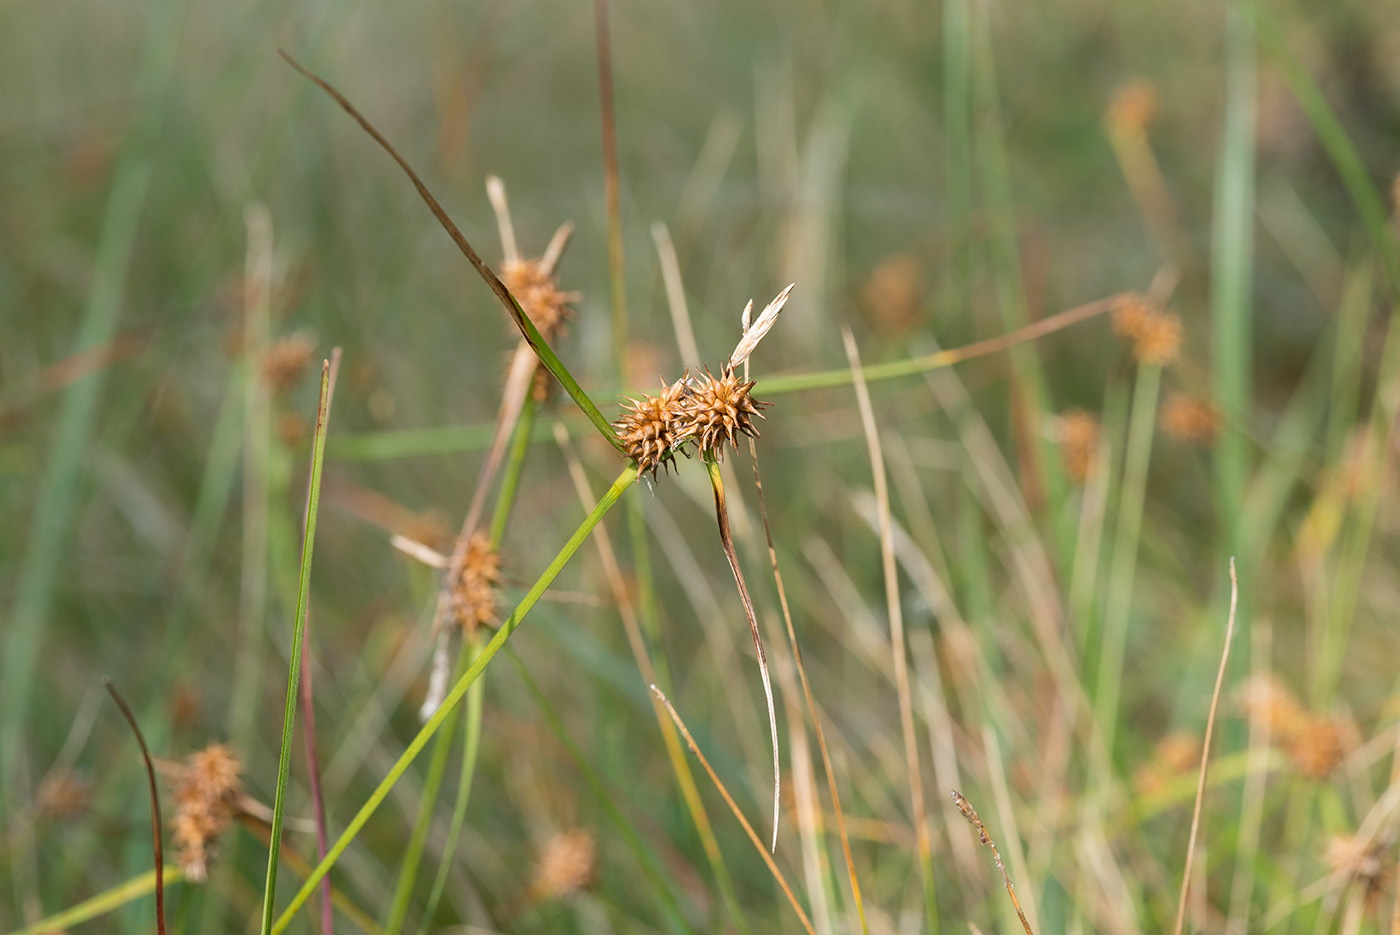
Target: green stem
[472,743]
[454,697]
[1141,426]
[279,805]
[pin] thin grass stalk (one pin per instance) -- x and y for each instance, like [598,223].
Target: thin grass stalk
[727,541]
[522,321]
[159,869]
[1205,752]
[471,745]
[624,480]
[685,780]
[647,859]
[733,807]
[1113,645]
[1232,270]
[284,763]
[808,697]
[897,644]
[973,819]
[308,710]
[799,382]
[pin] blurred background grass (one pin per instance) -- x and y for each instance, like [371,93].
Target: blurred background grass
[925,175]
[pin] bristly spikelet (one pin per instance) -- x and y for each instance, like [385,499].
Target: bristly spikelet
[647,427]
[473,599]
[207,792]
[715,408]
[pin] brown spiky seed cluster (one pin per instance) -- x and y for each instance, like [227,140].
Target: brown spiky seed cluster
[648,426]
[207,790]
[707,410]
[474,597]
[716,408]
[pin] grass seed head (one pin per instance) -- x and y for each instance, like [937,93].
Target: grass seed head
[648,428]
[207,791]
[568,862]
[474,595]
[1079,444]
[1191,419]
[1155,334]
[718,409]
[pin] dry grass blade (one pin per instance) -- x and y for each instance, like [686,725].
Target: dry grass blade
[1205,752]
[807,693]
[970,814]
[155,804]
[733,807]
[727,541]
[897,645]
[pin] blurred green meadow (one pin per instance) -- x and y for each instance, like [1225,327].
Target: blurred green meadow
[1021,592]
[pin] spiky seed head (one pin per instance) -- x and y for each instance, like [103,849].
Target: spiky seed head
[647,427]
[716,408]
[207,790]
[474,594]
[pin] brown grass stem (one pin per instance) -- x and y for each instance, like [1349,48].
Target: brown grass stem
[734,807]
[308,708]
[1205,752]
[897,642]
[973,819]
[726,540]
[155,803]
[807,695]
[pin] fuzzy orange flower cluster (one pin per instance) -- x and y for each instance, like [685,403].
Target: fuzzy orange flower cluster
[1191,419]
[1155,334]
[1315,744]
[207,791]
[1079,444]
